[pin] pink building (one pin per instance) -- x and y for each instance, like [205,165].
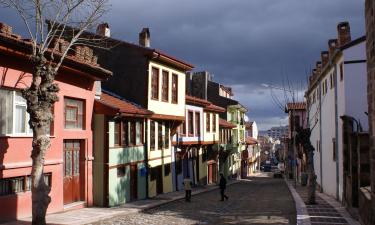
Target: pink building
[68,162]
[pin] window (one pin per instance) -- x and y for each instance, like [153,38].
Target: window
[152,135]
[14,118]
[331,81]
[153,173]
[160,135]
[165,86]
[125,133]
[166,136]
[19,184]
[73,113]
[121,171]
[139,133]
[341,72]
[197,124]
[155,83]
[334,149]
[208,122]
[21,117]
[132,133]
[190,123]
[174,88]
[214,122]
[167,169]
[117,133]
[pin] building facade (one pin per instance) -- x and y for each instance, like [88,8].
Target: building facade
[156,82]
[336,91]
[68,162]
[120,165]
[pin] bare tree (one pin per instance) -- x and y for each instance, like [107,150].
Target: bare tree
[301,136]
[46,21]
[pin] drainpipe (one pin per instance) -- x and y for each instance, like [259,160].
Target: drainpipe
[320,138]
[336,134]
[146,156]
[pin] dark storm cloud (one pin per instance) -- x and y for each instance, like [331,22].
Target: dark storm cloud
[242,42]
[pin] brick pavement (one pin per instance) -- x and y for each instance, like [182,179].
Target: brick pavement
[326,211]
[93,214]
[258,200]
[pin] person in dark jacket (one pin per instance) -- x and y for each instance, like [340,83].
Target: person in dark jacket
[223,185]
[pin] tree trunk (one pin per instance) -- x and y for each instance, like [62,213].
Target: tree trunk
[312,179]
[40,97]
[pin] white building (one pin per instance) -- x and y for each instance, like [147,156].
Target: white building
[338,87]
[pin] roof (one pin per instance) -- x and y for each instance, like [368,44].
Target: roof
[225,124]
[249,124]
[123,106]
[12,44]
[155,54]
[251,141]
[354,42]
[196,101]
[296,106]
[214,108]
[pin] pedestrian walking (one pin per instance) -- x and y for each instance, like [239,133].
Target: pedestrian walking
[187,186]
[223,185]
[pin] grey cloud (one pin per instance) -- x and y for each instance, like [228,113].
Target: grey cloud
[242,42]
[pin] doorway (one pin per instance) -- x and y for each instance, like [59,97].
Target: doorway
[133,182]
[72,181]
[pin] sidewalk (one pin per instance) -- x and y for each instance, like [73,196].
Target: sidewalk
[93,214]
[326,211]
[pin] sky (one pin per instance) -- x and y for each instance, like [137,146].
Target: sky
[243,43]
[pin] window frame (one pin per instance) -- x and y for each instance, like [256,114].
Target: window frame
[83,115]
[152,136]
[197,121]
[165,86]
[214,123]
[174,88]
[28,131]
[190,123]
[155,77]
[208,122]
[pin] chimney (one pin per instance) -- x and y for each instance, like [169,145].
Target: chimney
[144,37]
[103,30]
[332,45]
[325,57]
[343,32]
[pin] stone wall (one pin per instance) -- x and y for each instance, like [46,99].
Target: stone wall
[370,50]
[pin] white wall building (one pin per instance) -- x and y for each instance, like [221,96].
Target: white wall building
[338,87]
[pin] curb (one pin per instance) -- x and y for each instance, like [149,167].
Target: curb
[303,217]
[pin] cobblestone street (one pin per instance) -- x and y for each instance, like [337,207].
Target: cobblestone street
[259,200]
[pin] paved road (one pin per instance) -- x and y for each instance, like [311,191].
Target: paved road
[258,200]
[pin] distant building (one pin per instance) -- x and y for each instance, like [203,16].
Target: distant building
[276,132]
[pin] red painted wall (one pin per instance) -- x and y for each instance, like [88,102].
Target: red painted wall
[15,151]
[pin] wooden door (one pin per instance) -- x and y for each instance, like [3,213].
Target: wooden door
[72,188]
[159,180]
[133,182]
[214,173]
[210,173]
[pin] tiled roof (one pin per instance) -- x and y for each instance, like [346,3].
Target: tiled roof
[214,108]
[196,101]
[122,105]
[13,44]
[296,106]
[225,124]
[249,124]
[251,141]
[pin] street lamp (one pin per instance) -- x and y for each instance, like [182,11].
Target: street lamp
[293,132]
